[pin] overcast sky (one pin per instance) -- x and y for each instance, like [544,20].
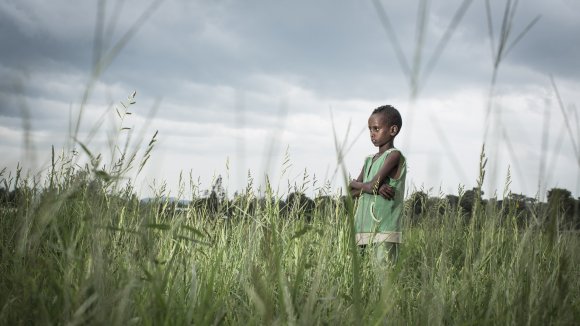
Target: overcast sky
[241,85]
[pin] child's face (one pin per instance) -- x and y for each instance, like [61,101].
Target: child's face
[381,133]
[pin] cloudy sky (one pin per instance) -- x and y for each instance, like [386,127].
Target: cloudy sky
[233,86]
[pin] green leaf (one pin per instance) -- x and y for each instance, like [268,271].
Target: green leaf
[118,229]
[301,232]
[193,240]
[158,226]
[194,230]
[103,175]
[85,149]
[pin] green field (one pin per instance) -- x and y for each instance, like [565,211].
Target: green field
[75,249]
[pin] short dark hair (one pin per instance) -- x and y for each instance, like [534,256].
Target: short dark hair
[393,116]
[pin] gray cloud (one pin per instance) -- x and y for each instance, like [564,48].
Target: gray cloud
[208,60]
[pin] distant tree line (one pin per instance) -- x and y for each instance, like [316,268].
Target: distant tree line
[79,187]
[419,206]
[524,209]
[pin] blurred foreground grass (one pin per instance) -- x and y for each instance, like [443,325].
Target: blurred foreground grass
[76,250]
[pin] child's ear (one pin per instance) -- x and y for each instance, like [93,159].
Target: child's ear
[394,130]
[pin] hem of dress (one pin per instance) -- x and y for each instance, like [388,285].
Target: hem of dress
[365,238]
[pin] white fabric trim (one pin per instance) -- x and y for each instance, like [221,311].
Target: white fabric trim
[368,238]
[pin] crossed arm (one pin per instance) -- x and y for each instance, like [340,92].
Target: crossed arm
[377,184]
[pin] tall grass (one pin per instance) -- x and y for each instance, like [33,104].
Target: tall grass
[77,251]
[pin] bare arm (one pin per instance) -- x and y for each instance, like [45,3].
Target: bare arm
[389,169]
[354,191]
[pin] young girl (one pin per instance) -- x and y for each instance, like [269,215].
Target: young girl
[380,187]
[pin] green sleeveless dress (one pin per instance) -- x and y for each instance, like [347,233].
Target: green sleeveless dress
[378,219]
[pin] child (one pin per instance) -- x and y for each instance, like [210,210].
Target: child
[380,187]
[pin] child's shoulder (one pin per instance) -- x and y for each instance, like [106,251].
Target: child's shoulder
[395,150]
[390,151]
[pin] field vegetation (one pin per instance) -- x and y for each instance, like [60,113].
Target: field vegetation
[79,248]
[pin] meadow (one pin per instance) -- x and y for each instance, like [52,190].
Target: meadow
[78,248]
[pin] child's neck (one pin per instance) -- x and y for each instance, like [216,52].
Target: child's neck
[386,147]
